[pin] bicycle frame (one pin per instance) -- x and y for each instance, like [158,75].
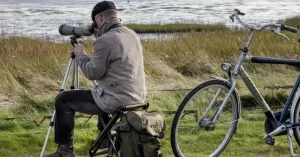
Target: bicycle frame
[240,71]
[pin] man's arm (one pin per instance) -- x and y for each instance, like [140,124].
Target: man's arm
[95,66]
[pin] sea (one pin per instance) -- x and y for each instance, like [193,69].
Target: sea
[42,18]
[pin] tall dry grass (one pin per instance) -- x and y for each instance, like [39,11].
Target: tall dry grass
[200,54]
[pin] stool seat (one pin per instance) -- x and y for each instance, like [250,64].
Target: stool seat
[135,107]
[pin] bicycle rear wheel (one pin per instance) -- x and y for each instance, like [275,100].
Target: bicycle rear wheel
[192,133]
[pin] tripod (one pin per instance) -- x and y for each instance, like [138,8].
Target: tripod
[74,85]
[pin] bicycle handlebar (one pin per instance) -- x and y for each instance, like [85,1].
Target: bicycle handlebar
[237,12]
[288,28]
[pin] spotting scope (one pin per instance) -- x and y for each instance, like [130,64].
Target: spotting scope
[66,29]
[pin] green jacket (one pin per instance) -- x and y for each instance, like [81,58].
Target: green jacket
[118,67]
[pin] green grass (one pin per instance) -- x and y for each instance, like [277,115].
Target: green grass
[24,138]
[293,21]
[175,27]
[193,27]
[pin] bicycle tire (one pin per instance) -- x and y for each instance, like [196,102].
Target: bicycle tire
[233,126]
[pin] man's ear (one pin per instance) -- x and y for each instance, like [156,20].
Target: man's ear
[101,18]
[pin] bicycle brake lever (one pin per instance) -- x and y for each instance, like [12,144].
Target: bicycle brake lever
[277,31]
[285,36]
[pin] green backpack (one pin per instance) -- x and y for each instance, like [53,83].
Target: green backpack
[139,134]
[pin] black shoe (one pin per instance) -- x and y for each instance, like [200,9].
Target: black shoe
[63,151]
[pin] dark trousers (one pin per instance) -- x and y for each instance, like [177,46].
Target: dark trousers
[66,104]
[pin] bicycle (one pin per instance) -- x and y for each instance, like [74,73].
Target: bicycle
[216,116]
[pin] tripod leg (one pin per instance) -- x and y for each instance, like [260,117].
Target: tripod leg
[73,85]
[76,75]
[48,134]
[53,116]
[66,75]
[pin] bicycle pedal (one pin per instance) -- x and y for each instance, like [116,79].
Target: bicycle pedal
[270,140]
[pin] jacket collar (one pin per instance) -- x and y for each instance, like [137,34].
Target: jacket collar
[106,26]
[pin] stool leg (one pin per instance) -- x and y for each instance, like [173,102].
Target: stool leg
[110,139]
[105,118]
[105,132]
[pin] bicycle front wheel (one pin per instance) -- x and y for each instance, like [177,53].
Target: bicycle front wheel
[193,133]
[296,118]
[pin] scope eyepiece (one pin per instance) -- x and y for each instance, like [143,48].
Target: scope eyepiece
[92,27]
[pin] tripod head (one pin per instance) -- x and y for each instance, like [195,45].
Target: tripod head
[73,42]
[74,39]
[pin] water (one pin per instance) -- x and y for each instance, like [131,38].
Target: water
[43,17]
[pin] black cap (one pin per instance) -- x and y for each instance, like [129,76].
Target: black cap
[102,6]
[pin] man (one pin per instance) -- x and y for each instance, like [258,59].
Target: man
[117,66]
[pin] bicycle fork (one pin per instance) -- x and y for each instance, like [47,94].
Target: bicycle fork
[209,124]
[224,102]
[202,120]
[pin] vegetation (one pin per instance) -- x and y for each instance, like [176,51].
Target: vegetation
[23,138]
[192,27]
[32,70]
[175,27]
[293,21]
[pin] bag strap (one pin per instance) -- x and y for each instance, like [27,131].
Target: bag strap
[141,150]
[113,26]
[162,135]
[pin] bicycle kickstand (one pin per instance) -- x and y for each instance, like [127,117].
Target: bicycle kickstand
[289,136]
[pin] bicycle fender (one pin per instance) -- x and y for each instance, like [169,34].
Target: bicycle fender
[221,79]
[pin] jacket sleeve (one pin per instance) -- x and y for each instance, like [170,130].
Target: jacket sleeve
[95,66]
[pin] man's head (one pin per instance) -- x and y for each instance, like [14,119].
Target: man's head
[103,11]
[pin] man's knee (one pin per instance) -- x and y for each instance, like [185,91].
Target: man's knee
[59,100]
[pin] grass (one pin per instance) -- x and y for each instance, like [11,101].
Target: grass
[248,140]
[293,21]
[175,27]
[24,138]
[32,70]
[193,27]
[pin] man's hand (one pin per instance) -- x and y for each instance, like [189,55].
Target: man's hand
[79,49]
